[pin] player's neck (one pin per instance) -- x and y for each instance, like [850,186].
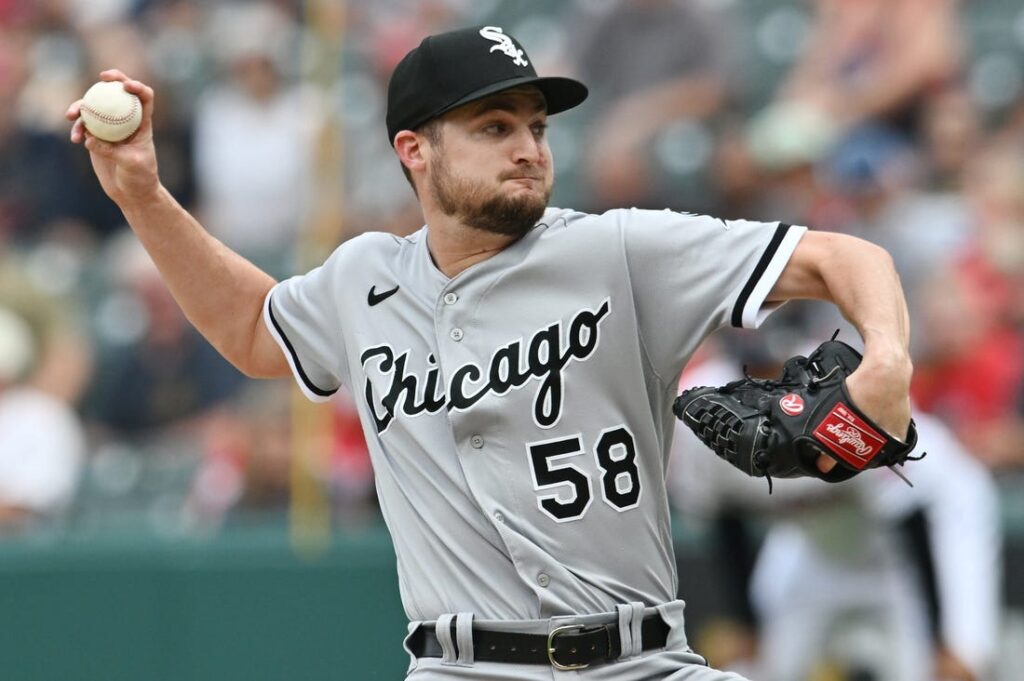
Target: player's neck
[456,247]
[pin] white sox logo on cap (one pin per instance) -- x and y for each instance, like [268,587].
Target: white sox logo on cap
[451,69]
[792,404]
[505,44]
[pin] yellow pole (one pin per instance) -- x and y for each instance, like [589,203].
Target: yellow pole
[312,424]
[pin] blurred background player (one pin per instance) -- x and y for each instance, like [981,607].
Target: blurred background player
[877,580]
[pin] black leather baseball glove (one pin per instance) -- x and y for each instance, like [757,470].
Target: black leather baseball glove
[777,428]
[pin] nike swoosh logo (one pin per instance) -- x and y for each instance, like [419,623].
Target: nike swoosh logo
[374,298]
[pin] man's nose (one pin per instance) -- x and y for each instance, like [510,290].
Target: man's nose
[528,149]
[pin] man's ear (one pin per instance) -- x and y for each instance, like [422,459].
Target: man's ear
[410,150]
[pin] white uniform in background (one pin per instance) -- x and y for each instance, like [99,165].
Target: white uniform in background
[833,579]
[42,449]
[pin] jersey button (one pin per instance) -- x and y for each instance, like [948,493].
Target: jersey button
[457,334]
[476,442]
[543,580]
[499,517]
[451,298]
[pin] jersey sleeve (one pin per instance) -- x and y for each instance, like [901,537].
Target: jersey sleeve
[303,318]
[691,274]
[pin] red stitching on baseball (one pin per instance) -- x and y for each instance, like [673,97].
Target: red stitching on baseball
[114,120]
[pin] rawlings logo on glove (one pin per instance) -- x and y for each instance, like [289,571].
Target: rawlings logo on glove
[779,428]
[842,431]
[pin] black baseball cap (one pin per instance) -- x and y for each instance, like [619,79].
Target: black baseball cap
[450,69]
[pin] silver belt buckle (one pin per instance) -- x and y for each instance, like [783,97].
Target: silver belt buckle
[551,648]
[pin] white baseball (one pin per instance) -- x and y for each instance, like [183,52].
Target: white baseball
[110,112]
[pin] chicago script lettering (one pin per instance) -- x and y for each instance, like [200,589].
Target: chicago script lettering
[546,356]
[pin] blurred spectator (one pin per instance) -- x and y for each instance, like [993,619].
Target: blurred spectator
[157,372]
[255,134]
[651,63]
[995,261]
[63,361]
[785,144]
[970,367]
[877,60]
[39,185]
[248,461]
[735,176]
[860,95]
[923,225]
[378,196]
[971,364]
[951,133]
[246,457]
[42,444]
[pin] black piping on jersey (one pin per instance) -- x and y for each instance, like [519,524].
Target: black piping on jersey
[755,277]
[295,357]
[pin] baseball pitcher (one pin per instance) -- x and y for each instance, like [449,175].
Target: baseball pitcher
[514,364]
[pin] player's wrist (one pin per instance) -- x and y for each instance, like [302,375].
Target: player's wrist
[142,197]
[884,354]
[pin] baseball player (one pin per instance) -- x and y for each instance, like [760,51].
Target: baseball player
[514,364]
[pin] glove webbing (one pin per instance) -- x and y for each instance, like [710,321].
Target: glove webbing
[717,429]
[718,432]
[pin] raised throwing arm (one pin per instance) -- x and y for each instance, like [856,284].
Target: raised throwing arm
[219,291]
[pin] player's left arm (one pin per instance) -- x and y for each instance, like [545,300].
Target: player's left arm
[860,279]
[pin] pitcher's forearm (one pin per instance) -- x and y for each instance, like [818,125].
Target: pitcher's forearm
[861,280]
[220,292]
[867,290]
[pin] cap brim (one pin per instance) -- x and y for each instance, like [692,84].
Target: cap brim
[560,94]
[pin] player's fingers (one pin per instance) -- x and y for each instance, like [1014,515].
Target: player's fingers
[113,74]
[140,89]
[72,113]
[78,131]
[825,463]
[145,95]
[98,146]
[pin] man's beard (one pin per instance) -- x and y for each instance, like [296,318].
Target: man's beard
[468,201]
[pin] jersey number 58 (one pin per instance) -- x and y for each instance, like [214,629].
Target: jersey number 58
[553,475]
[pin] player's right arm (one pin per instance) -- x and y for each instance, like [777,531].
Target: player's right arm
[219,291]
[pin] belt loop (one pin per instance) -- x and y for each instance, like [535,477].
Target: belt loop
[443,629]
[631,617]
[636,625]
[464,637]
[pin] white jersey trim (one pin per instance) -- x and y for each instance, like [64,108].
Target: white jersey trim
[309,389]
[751,310]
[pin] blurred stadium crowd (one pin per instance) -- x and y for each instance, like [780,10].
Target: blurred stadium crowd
[900,121]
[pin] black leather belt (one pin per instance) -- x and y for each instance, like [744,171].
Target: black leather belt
[568,647]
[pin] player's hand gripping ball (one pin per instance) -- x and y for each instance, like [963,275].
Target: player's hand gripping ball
[778,428]
[110,112]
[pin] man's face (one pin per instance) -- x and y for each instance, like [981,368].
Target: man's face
[491,167]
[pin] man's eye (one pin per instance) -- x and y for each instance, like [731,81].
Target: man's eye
[495,128]
[539,129]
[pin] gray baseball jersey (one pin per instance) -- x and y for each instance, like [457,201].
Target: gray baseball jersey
[518,414]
